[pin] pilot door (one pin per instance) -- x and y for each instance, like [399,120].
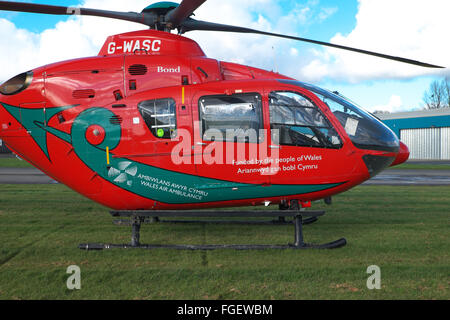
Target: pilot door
[310,150]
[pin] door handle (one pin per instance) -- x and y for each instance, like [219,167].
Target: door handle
[200,144]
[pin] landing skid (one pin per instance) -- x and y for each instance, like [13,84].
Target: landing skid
[136,218]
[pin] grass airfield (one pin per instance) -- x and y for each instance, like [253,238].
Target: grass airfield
[403,230]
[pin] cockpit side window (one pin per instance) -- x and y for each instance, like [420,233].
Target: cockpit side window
[346,116]
[295,120]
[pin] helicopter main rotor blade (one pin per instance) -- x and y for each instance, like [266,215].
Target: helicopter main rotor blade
[196,25]
[183,11]
[58,10]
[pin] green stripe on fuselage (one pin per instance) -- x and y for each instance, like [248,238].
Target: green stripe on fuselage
[33,120]
[178,188]
[147,181]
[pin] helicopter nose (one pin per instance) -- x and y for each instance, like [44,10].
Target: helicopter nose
[402,156]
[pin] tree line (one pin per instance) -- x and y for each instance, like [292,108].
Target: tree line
[438,95]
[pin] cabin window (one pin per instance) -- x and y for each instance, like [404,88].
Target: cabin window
[232,118]
[296,121]
[160,117]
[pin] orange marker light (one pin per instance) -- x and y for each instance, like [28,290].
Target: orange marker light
[182,95]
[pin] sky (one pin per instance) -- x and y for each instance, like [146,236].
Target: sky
[413,29]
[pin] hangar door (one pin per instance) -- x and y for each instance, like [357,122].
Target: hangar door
[427,143]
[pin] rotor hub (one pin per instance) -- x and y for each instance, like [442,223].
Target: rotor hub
[160,10]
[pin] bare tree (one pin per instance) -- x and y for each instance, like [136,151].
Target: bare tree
[446,84]
[438,95]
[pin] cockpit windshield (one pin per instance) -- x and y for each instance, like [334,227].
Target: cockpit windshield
[297,121]
[364,130]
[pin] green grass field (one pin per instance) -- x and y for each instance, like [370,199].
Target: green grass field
[421,166]
[403,230]
[14,163]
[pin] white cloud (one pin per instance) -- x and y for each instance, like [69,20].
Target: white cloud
[253,50]
[395,104]
[84,36]
[16,48]
[74,38]
[325,13]
[408,28]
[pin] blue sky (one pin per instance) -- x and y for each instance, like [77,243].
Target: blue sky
[371,83]
[345,19]
[36,22]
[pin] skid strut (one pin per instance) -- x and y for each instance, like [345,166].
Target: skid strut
[139,217]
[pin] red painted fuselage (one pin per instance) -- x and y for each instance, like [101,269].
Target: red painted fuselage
[129,129]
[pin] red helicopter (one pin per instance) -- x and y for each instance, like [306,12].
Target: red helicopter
[151,123]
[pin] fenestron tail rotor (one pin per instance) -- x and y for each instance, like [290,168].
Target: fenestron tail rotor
[167,16]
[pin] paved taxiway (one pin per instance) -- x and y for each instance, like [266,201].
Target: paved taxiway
[388,177]
[405,177]
[24,176]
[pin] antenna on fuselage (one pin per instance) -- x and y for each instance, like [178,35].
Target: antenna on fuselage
[275,67]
